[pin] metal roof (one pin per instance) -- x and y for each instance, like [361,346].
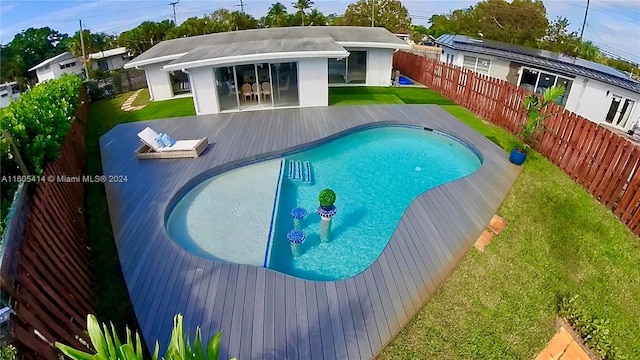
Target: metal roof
[541,59]
[63,56]
[285,38]
[107,53]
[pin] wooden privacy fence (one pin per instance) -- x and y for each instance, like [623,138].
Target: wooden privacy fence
[51,293]
[604,163]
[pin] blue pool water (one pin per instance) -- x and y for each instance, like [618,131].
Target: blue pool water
[243,215]
[375,174]
[404,81]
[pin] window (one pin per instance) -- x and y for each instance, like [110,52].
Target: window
[103,65]
[619,111]
[539,81]
[476,64]
[449,59]
[64,66]
[179,83]
[352,70]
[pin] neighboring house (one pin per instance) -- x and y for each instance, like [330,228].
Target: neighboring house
[406,38]
[268,68]
[110,59]
[595,91]
[54,67]
[8,91]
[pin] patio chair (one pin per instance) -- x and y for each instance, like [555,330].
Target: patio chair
[246,91]
[266,89]
[255,90]
[151,149]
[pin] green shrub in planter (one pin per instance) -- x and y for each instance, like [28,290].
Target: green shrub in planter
[327,198]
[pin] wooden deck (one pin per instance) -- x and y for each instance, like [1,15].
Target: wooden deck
[269,315]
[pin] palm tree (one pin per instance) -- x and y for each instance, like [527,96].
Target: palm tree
[317,18]
[302,5]
[588,51]
[277,15]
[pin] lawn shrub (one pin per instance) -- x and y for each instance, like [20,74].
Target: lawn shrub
[38,123]
[593,331]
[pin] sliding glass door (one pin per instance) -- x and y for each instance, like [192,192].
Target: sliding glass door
[285,84]
[226,87]
[255,86]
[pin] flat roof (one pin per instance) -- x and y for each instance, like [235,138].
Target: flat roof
[107,53]
[256,50]
[273,40]
[542,59]
[65,55]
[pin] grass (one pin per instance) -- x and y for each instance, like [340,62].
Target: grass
[500,304]
[142,99]
[385,95]
[112,298]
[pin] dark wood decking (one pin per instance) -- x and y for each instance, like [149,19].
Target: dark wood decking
[269,315]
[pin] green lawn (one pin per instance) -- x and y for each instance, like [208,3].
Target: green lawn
[500,304]
[112,298]
[385,95]
[142,99]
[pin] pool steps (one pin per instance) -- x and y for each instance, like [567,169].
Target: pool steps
[300,171]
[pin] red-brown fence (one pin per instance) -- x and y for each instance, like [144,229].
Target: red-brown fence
[51,294]
[604,163]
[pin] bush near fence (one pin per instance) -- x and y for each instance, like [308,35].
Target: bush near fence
[50,290]
[37,122]
[605,163]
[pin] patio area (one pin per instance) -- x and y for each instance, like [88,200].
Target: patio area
[265,314]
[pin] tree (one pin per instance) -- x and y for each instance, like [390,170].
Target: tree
[225,20]
[276,16]
[316,18]
[390,14]
[145,35]
[193,26]
[588,51]
[418,32]
[559,39]
[302,6]
[29,48]
[520,22]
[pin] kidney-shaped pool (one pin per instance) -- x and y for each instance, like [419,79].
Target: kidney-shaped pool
[244,215]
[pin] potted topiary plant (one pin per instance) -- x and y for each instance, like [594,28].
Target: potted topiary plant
[537,114]
[326,210]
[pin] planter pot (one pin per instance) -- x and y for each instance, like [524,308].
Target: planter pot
[517,156]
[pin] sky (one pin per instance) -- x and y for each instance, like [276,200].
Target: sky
[612,25]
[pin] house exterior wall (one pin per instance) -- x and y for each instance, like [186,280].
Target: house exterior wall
[113,62]
[45,73]
[379,65]
[7,93]
[313,82]
[499,67]
[158,82]
[203,86]
[591,99]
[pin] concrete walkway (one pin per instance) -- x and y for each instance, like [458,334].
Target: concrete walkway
[563,347]
[126,106]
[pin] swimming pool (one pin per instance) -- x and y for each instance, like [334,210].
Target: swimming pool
[403,80]
[243,215]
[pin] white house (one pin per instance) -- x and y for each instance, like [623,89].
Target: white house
[54,67]
[268,68]
[8,91]
[110,59]
[595,91]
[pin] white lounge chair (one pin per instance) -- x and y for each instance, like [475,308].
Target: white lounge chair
[151,149]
